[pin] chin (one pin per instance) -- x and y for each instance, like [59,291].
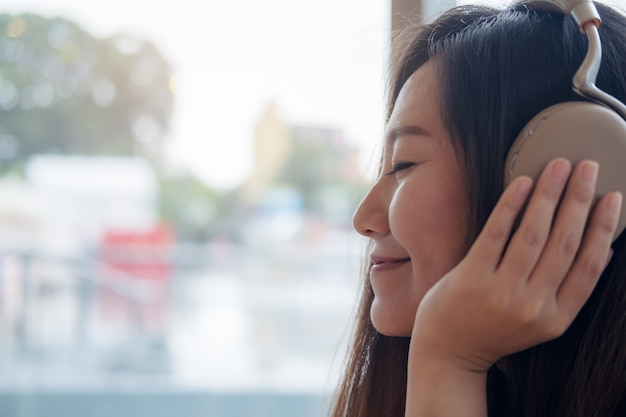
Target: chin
[390,323]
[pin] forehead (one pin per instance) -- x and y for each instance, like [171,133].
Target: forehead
[418,98]
[418,101]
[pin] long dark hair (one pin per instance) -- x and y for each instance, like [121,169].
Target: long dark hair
[498,68]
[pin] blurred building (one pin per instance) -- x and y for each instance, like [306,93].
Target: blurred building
[272,146]
[88,196]
[313,171]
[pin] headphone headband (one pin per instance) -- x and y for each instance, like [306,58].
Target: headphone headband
[586,15]
[583,11]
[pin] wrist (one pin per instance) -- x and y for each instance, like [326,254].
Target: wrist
[440,385]
[439,352]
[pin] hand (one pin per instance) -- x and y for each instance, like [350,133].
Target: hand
[501,298]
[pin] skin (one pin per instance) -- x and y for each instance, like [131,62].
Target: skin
[497,299]
[416,215]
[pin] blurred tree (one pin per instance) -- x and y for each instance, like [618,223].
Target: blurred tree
[196,211]
[64,91]
[320,163]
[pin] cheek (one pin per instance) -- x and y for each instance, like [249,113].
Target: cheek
[430,223]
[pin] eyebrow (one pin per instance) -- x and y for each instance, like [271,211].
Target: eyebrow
[411,130]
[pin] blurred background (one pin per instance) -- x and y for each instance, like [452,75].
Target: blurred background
[177,182]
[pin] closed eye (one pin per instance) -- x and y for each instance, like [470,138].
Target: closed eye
[400,166]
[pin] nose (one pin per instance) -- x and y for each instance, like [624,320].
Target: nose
[371,216]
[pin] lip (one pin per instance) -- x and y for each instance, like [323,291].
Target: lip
[380,264]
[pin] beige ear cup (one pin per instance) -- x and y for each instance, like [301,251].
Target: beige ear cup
[575,131]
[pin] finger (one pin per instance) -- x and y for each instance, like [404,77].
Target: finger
[567,231]
[592,257]
[530,238]
[490,244]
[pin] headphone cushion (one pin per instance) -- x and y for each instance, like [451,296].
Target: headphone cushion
[575,131]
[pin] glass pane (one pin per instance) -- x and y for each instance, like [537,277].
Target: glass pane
[177,181]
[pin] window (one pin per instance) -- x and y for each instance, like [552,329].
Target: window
[176,191]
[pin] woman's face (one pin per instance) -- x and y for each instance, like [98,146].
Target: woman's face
[416,212]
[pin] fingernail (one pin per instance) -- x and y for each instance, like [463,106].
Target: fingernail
[590,171]
[560,170]
[614,202]
[523,186]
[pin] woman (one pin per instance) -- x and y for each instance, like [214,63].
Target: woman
[531,323]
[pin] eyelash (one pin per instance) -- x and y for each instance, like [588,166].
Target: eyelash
[400,166]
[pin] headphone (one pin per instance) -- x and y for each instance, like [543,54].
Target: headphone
[577,130]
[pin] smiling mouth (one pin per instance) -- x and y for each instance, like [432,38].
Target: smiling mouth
[392,261]
[380,265]
[378,260]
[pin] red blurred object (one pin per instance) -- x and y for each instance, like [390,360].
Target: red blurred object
[140,261]
[142,254]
